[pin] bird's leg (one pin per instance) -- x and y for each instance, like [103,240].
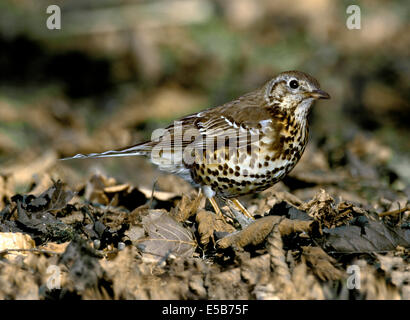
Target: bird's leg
[216,208]
[242,208]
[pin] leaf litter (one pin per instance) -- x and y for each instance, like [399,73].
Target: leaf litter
[112,239]
[295,249]
[346,203]
[165,237]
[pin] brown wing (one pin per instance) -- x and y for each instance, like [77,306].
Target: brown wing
[229,120]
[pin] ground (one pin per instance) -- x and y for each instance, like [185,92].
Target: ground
[337,227]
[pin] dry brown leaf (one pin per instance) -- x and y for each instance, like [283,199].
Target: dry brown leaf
[55,247]
[288,226]
[254,234]
[19,241]
[42,182]
[160,195]
[208,223]
[374,236]
[94,189]
[117,188]
[321,263]
[322,208]
[106,191]
[135,233]
[257,231]
[165,236]
[187,208]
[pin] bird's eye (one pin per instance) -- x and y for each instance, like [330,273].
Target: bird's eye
[293,84]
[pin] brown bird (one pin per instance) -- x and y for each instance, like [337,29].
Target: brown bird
[244,146]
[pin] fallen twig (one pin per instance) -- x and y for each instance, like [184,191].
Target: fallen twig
[394,212]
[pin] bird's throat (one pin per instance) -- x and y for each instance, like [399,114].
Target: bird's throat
[302,111]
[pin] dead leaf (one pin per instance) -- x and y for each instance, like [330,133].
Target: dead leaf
[321,263]
[106,191]
[117,188]
[9,240]
[288,227]
[34,214]
[94,189]
[208,223]
[54,198]
[254,234]
[135,233]
[323,209]
[186,208]
[377,237]
[159,195]
[55,247]
[165,236]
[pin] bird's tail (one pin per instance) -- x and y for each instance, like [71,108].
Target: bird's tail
[142,149]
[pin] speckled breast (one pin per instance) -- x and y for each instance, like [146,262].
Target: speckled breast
[234,171]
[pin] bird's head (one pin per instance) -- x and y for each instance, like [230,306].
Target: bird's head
[293,91]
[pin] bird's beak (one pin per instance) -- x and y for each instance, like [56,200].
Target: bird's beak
[319,94]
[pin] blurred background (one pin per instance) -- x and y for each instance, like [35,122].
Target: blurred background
[116,70]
